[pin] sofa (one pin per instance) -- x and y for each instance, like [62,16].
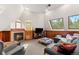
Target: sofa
[1,47]
[51,51]
[13,49]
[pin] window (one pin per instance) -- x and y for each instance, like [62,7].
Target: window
[18,25]
[57,23]
[28,25]
[73,22]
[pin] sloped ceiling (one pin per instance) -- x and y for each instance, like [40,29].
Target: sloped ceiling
[17,8]
[14,11]
[10,11]
[40,8]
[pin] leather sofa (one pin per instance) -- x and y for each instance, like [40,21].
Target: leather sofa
[14,49]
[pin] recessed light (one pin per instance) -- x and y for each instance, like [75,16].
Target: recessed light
[26,8]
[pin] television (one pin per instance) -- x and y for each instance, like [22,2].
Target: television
[38,30]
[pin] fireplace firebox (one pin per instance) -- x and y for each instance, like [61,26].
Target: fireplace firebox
[18,36]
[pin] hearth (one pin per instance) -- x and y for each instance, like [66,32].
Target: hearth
[18,36]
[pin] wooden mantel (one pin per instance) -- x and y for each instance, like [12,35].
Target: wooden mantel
[17,29]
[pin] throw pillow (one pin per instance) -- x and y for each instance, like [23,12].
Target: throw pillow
[66,48]
[56,40]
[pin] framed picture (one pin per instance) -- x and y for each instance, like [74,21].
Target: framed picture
[73,22]
[57,23]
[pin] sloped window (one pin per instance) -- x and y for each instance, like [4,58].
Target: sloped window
[73,22]
[57,23]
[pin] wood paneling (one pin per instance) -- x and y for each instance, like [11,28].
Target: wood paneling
[5,36]
[51,34]
[0,35]
[29,34]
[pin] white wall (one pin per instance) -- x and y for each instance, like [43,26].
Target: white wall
[37,21]
[11,13]
[64,11]
[36,18]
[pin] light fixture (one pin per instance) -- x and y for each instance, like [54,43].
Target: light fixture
[49,5]
[26,8]
[47,9]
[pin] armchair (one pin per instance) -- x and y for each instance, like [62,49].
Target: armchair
[1,47]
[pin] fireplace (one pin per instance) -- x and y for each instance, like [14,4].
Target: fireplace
[18,36]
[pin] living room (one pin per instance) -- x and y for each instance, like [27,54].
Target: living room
[32,28]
